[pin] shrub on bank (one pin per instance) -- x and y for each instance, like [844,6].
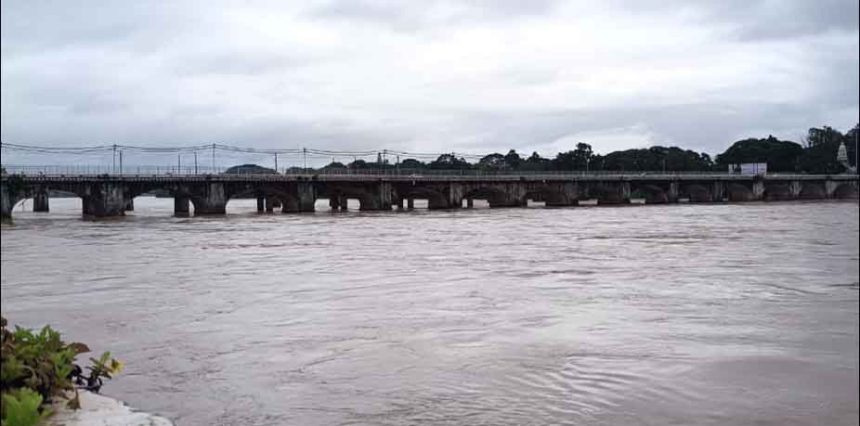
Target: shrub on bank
[37,367]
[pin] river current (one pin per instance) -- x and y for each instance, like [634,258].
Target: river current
[723,314]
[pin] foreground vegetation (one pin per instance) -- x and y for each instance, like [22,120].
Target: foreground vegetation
[38,367]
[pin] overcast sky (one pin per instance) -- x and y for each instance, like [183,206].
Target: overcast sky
[433,76]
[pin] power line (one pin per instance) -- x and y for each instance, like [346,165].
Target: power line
[81,150]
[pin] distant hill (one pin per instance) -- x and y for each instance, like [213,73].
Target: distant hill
[249,169]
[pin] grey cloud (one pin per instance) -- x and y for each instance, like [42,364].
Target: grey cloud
[142,73]
[416,16]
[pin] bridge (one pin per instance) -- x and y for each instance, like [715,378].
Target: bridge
[108,195]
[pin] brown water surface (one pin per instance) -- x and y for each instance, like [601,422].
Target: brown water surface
[684,314]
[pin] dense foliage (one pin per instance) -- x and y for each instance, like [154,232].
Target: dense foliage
[817,154]
[37,366]
[780,156]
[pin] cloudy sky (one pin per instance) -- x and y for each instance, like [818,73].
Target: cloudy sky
[432,76]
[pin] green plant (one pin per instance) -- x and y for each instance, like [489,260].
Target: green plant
[41,364]
[22,408]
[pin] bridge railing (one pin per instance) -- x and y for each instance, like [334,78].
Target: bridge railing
[343,173]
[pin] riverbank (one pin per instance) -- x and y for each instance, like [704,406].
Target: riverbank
[101,410]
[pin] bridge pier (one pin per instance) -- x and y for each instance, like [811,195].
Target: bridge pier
[718,193]
[270,205]
[672,194]
[334,202]
[470,203]
[181,206]
[40,200]
[7,202]
[213,202]
[796,188]
[410,204]
[103,200]
[129,203]
[307,196]
[261,204]
[400,203]
[758,189]
[379,198]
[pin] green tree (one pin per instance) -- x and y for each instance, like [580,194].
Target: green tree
[449,162]
[492,162]
[513,160]
[536,163]
[780,156]
[411,163]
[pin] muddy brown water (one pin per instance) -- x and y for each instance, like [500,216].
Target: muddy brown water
[728,314]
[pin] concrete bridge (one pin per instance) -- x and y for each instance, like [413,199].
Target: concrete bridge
[112,195]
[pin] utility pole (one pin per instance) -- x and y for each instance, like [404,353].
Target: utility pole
[178,163]
[305,159]
[120,161]
[213,158]
[276,162]
[113,164]
[195,161]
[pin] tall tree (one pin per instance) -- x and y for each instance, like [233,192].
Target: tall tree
[513,160]
[780,156]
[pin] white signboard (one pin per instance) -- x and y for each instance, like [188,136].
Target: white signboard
[748,168]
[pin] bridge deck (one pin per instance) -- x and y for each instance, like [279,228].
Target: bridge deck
[384,177]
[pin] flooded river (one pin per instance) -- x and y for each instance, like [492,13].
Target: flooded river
[709,314]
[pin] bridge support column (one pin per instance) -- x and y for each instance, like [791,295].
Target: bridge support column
[625,192]
[719,192]
[830,187]
[129,203]
[261,204]
[379,198]
[400,204]
[410,203]
[343,201]
[795,187]
[104,200]
[455,196]
[306,197]
[470,203]
[334,203]
[758,189]
[270,205]
[181,206]
[567,194]
[672,195]
[40,200]
[613,193]
[214,201]
[7,202]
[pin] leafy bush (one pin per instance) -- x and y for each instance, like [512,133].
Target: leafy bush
[38,366]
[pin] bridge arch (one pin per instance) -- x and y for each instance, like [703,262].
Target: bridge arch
[435,199]
[778,192]
[550,196]
[653,194]
[697,193]
[812,191]
[495,197]
[268,198]
[845,191]
[739,192]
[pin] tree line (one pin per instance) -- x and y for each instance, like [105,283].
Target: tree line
[815,154]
